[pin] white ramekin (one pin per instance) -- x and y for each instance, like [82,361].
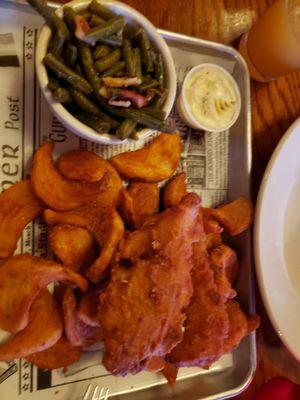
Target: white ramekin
[183,107]
[132,16]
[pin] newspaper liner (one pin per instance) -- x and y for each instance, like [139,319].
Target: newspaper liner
[26,122]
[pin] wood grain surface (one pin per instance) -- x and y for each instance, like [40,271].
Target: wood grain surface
[275,106]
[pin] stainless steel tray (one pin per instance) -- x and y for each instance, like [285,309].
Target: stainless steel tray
[228,378]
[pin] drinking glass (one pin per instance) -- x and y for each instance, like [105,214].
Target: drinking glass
[272,46]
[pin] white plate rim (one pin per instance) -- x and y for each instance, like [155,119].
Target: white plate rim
[257,222]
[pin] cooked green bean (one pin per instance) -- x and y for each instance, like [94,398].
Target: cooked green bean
[149,85]
[107,29]
[101,51]
[85,14]
[120,73]
[128,57]
[137,63]
[57,44]
[159,101]
[68,75]
[125,129]
[108,61]
[50,17]
[155,112]
[138,116]
[130,32]
[78,70]
[159,69]
[96,21]
[84,102]
[87,62]
[62,95]
[70,55]
[94,122]
[69,15]
[145,46]
[119,66]
[101,10]
[112,40]
[53,84]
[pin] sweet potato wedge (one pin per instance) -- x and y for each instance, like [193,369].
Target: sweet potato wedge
[104,223]
[174,190]
[61,354]
[45,327]
[126,208]
[22,278]
[72,245]
[145,197]
[77,332]
[236,217]
[87,166]
[18,206]
[55,190]
[153,163]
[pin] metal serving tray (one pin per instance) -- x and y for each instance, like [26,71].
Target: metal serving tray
[233,372]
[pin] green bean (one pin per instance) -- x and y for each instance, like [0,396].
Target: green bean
[85,14]
[101,51]
[94,122]
[149,85]
[70,55]
[57,44]
[159,70]
[129,32]
[101,10]
[78,70]
[108,28]
[96,21]
[138,116]
[119,66]
[145,47]
[50,17]
[68,75]
[84,102]
[112,40]
[159,101]
[108,61]
[62,95]
[69,15]
[137,63]
[155,112]
[88,65]
[53,84]
[120,73]
[125,129]
[128,57]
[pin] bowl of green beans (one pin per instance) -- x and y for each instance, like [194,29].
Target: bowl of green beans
[106,73]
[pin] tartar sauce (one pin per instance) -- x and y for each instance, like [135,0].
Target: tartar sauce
[211,97]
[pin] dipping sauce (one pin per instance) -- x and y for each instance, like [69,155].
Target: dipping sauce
[212,97]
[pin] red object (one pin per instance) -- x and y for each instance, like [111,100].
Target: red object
[82,26]
[279,389]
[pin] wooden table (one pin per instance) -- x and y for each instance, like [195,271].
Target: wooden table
[274,107]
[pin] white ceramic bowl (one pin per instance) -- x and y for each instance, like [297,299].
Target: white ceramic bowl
[184,109]
[133,17]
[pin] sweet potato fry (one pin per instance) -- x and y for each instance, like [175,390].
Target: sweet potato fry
[126,208]
[88,307]
[61,354]
[104,223]
[236,216]
[22,278]
[153,163]
[87,166]
[72,245]
[211,225]
[175,190]
[18,206]
[58,192]
[145,197]
[77,332]
[43,330]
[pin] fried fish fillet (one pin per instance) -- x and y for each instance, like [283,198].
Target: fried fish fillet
[215,324]
[141,311]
